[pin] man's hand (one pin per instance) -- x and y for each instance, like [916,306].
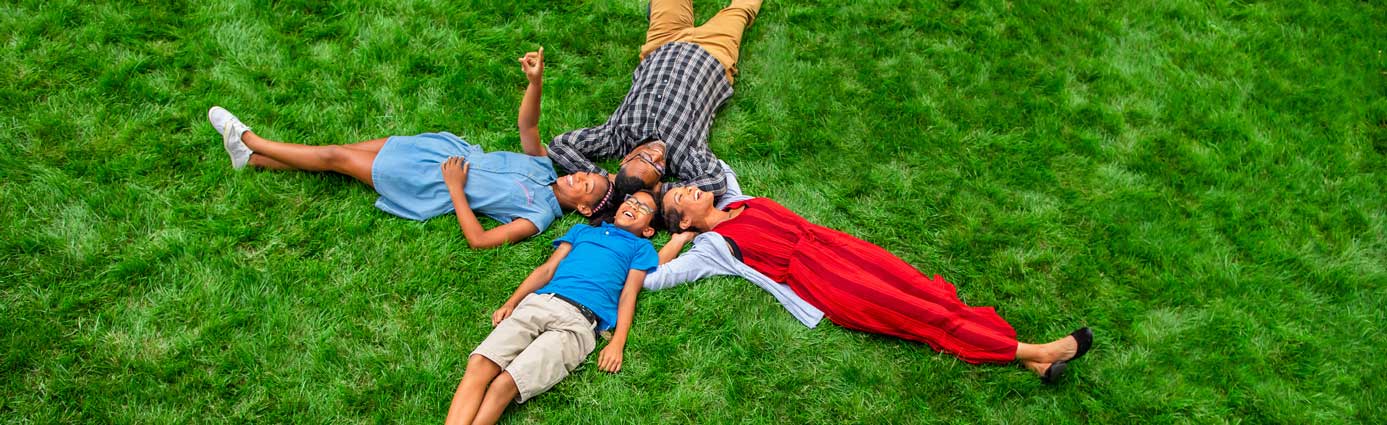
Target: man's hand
[455,172]
[532,64]
[501,314]
[609,360]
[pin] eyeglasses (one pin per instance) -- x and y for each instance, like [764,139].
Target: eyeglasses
[636,203]
[645,157]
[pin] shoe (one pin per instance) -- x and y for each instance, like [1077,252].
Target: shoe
[1054,372]
[1084,336]
[231,129]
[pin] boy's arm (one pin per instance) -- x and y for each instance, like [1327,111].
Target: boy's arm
[609,359]
[537,279]
[528,118]
[455,179]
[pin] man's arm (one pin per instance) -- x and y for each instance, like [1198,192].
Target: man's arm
[455,179]
[537,279]
[576,150]
[701,169]
[532,64]
[609,359]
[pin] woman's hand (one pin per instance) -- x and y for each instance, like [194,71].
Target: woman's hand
[683,238]
[609,360]
[455,172]
[532,64]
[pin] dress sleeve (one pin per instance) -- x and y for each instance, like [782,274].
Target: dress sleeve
[698,262]
[540,218]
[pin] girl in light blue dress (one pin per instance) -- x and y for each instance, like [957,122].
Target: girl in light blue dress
[427,175]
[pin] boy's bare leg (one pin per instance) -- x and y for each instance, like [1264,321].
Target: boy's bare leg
[498,396]
[669,21]
[468,398]
[352,162]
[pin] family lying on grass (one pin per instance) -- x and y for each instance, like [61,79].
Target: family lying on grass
[668,177]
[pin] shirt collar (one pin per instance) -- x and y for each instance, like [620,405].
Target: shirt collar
[605,226]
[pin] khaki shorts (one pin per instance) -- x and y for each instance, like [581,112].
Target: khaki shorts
[543,340]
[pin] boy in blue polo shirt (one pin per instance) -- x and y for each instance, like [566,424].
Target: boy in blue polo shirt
[549,325]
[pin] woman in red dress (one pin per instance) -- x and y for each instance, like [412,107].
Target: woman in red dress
[859,285]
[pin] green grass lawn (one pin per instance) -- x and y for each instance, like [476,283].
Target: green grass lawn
[1200,182]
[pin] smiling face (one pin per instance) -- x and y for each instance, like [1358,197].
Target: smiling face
[581,191]
[645,163]
[687,207]
[635,213]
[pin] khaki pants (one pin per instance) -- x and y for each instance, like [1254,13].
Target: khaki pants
[542,341]
[721,35]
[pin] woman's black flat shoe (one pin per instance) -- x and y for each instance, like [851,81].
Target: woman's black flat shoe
[1085,338]
[1054,372]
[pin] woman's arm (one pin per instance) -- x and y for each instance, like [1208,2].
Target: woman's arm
[610,358]
[703,260]
[528,121]
[676,243]
[455,179]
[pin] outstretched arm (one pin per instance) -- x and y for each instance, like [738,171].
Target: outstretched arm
[537,279]
[609,359]
[676,243]
[528,120]
[455,178]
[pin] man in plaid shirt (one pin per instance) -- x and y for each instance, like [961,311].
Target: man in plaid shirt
[661,128]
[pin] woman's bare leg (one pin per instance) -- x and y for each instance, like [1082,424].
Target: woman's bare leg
[1038,357]
[341,159]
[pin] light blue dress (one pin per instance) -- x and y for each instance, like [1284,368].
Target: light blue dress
[501,185]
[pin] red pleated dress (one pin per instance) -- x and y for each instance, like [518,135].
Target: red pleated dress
[861,286]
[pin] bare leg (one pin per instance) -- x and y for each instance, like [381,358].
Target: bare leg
[468,398]
[352,162]
[498,397]
[372,145]
[1038,357]
[262,161]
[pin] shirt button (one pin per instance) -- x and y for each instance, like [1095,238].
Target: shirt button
[606,232]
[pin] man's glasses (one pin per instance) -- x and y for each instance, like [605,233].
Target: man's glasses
[644,157]
[636,203]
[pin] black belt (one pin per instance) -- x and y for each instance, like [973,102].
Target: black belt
[587,314]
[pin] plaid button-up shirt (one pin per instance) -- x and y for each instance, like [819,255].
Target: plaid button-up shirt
[674,94]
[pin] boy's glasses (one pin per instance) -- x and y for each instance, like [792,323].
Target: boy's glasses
[636,203]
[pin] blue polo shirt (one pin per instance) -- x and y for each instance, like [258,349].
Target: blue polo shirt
[594,272]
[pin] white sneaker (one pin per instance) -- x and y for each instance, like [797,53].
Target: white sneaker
[231,129]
